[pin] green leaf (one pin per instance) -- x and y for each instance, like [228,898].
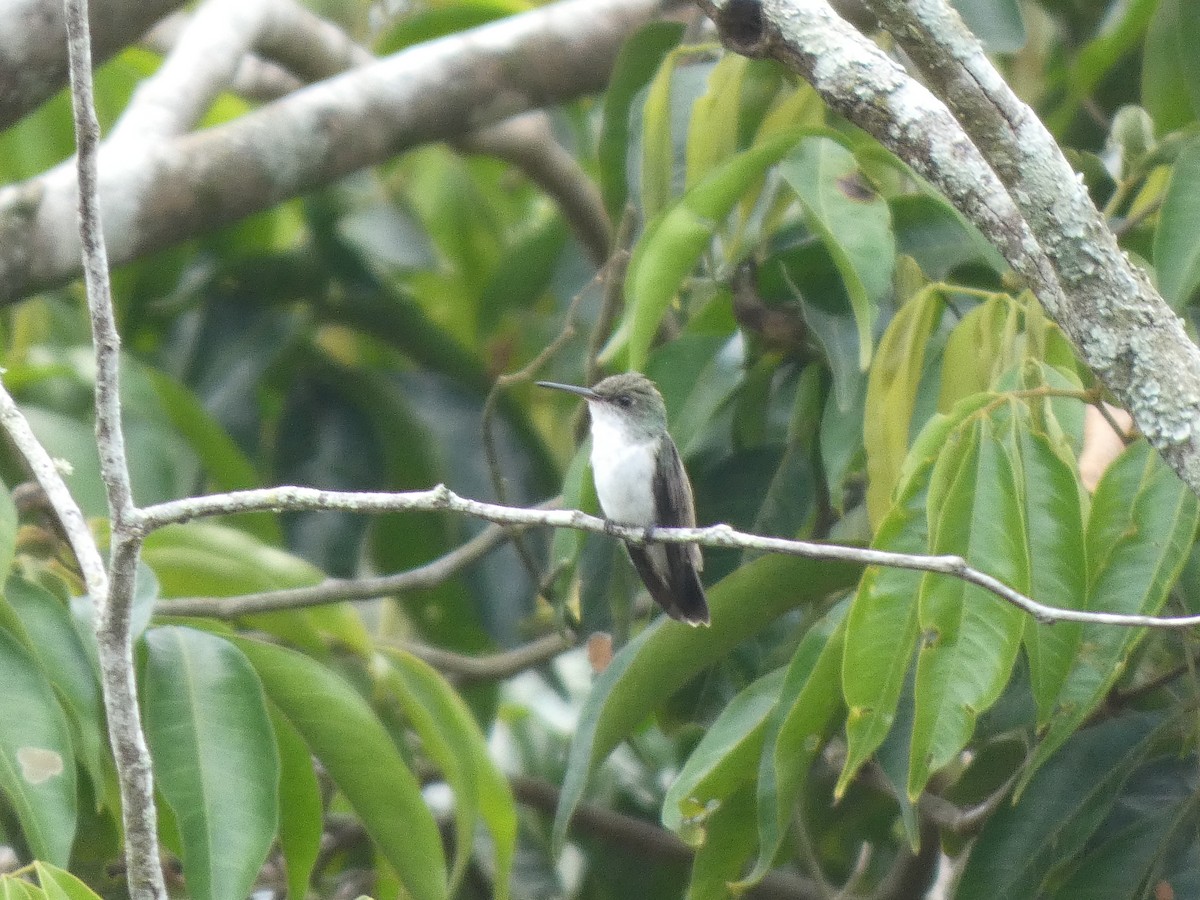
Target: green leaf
[730,843]
[808,701]
[66,661]
[301,814]
[345,734]
[673,243]
[937,236]
[207,559]
[1140,529]
[214,754]
[1177,240]
[724,759]
[8,531]
[891,395]
[1170,82]
[636,64]
[852,221]
[971,638]
[1022,843]
[37,769]
[454,742]
[1054,512]
[713,127]
[59,884]
[658,142]
[13,887]
[978,350]
[660,660]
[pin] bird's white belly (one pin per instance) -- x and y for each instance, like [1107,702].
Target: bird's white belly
[624,474]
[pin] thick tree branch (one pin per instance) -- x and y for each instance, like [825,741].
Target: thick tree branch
[434,91]
[442,498]
[1122,328]
[113,632]
[1035,210]
[33,45]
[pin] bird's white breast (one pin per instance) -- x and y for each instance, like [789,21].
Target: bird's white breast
[623,466]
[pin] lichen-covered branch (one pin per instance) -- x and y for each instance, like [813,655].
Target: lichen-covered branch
[1123,329]
[1001,168]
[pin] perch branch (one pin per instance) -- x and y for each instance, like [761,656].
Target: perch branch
[441,498]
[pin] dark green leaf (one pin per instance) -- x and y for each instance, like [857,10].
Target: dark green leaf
[1177,240]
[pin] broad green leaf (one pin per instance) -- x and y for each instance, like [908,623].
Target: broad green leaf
[1170,88]
[454,742]
[978,350]
[37,764]
[725,757]
[891,395]
[1022,843]
[672,243]
[343,732]
[1053,503]
[210,560]
[809,700]
[214,756]
[67,662]
[1139,531]
[660,660]
[1177,239]
[971,638]
[301,815]
[635,66]
[713,127]
[997,23]
[658,141]
[729,845]
[1147,844]
[854,223]
[13,887]
[59,884]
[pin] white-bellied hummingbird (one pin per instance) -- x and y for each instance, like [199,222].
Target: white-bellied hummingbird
[640,481]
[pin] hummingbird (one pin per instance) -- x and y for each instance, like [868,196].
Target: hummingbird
[640,481]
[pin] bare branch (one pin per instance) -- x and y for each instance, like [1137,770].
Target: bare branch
[55,490]
[442,498]
[336,590]
[493,666]
[33,45]
[434,91]
[113,634]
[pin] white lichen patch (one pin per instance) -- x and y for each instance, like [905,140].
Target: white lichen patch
[39,764]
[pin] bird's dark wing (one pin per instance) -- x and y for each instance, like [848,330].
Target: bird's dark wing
[675,508]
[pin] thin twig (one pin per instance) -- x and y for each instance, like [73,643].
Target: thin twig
[441,498]
[337,590]
[493,666]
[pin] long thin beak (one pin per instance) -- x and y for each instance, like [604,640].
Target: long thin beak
[586,393]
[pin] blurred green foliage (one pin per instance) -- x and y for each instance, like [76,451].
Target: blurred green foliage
[843,358]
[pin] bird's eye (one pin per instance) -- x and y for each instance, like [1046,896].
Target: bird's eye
[624,401]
